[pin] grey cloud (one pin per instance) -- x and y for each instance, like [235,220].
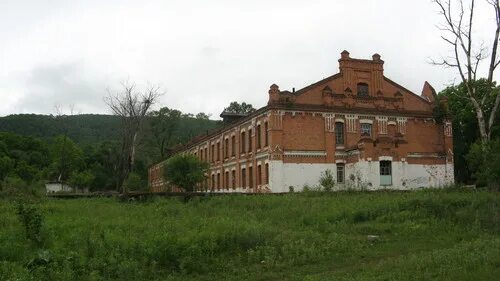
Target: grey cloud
[63,85]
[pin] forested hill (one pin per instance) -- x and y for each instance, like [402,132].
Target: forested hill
[89,128]
[85,150]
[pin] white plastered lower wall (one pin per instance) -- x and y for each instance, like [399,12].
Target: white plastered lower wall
[366,175]
[360,175]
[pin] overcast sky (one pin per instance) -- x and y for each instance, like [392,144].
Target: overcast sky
[205,54]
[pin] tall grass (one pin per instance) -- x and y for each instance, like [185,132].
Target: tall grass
[425,235]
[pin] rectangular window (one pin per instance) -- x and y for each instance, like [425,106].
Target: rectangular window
[213,181]
[266,134]
[385,168]
[385,173]
[339,133]
[218,181]
[363,90]
[226,180]
[366,129]
[340,172]
[233,146]
[243,177]
[243,142]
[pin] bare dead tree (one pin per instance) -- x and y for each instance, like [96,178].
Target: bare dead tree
[63,119]
[467,55]
[132,106]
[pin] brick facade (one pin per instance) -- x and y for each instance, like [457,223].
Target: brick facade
[368,130]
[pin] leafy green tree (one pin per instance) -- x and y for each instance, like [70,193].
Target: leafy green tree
[3,148]
[185,171]
[81,180]
[25,171]
[202,116]
[465,127]
[67,157]
[243,108]
[164,124]
[21,156]
[103,161]
[6,167]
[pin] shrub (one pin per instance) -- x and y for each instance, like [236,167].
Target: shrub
[484,163]
[326,180]
[134,182]
[31,218]
[16,187]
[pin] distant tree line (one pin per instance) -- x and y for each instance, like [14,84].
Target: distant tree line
[85,150]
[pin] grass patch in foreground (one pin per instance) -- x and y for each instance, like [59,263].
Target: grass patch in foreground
[424,235]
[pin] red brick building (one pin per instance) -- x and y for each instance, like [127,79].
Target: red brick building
[368,130]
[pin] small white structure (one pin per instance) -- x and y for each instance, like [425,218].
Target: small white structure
[57,186]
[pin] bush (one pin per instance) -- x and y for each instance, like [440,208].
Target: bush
[16,187]
[32,220]
[185,171]
[484,163]
[134,182]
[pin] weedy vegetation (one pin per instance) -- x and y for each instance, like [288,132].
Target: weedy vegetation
[423,235]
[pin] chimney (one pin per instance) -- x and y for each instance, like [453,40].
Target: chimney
[274,94]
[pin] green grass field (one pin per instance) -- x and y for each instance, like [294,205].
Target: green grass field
[423,235]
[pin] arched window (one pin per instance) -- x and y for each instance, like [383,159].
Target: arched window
[266,142]
[363,90]
[243,143]
[233,145]
[259,134]
[243,178]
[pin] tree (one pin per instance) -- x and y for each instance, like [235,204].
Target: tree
[485,163]
[465,131]
[467,55]
[203,116]
[81,180]
[164,123]
[6,166]
[132,106]
[185,171]
[243,108]
[66,156]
